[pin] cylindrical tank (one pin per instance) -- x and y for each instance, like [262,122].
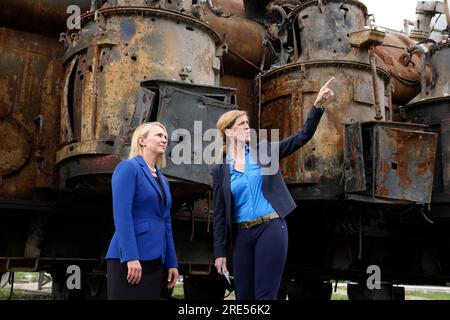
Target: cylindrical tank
[325,30]
[433,109]
[117,48]
[288,92]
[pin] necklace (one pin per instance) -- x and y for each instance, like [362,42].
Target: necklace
[151,169]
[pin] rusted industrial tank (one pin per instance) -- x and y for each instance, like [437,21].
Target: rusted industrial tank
[119,45]
[123,43]
[431,107]
[361,168]
[404,67]
[288,91]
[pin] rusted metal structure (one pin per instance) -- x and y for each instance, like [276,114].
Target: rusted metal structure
[287,92]
[379,166]
[431,107]
[117,47]
[69,102]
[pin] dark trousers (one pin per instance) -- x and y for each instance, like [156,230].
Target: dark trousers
[149,288]
[258,260]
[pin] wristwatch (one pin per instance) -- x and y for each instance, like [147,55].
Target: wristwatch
[322,108]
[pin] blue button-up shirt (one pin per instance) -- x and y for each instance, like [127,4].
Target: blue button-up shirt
[246,187]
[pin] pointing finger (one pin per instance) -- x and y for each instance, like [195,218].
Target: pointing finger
[328,82]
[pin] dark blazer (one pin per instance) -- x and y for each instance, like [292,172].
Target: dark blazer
[274,187]
[141,218]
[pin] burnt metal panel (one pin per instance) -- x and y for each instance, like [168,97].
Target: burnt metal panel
[396,161]
[435,113]
[179,109]
[219,93]
[355,177]
[404,164]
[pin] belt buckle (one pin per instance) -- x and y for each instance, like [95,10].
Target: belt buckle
[250,224]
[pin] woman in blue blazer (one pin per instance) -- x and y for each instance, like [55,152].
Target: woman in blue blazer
[142,245]
[250,203]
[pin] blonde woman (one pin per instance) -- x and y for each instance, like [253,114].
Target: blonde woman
[250,207]
[142,245]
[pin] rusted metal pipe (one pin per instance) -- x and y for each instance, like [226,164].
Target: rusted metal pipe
[215,9]
[243,37]
[423,65]
[423,80]
[376,93]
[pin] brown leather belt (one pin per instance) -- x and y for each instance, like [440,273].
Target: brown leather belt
[254,222]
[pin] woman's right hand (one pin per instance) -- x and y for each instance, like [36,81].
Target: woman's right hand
[134,271]
[221,265]
[325,93]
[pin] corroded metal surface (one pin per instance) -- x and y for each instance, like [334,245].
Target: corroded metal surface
[389,160]
[38,16]
[405,163]
[440,57]
[200,112]
[355,176]
[331,41]
[244,39]
[30,72]
[433,108]
[325,30]
[246,99]
[404,67]
[289,93]
[15,145]
[108,58]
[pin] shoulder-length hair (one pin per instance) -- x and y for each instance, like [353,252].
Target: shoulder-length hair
[226,121]
[142,132]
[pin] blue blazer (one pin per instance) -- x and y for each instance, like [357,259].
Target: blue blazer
[274,187]
[141,219]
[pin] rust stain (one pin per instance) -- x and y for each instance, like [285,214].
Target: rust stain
[29,89]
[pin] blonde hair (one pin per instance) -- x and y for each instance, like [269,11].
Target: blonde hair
[142,132]
[226,121]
